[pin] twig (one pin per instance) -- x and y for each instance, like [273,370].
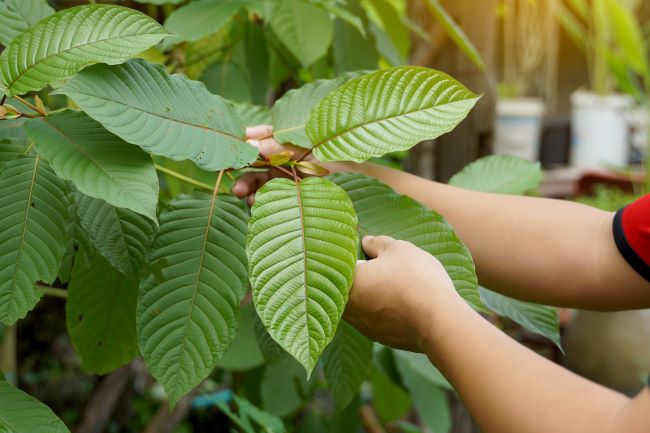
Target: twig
[32,106]
[296,178]
[182,178]
[53,291]
[4,98]
[284,170]
[302,158]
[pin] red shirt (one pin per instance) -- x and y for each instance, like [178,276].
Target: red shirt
[632,235]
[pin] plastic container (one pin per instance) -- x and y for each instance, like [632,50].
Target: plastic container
[600,130]
[518,127]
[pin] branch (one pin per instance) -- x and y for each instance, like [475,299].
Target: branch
[52,291]
[183,178]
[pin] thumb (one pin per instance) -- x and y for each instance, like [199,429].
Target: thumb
[375,245]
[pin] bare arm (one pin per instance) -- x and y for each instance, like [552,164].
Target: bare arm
[404,298]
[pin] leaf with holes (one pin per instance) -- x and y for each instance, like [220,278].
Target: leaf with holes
[32,233]
[304,29]
[98,163]
[382,211]
[201,18]
[167,115]
[100,314]
[301,249]
[502,174]
[291,112]
[62,44]
[387,111]
[22,413]
[16,16]
[347,362]
[122,236]
[188,315]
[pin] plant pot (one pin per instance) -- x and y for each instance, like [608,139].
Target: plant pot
[518,127]
[600,131]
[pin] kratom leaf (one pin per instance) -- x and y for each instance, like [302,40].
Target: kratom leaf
[229,80]
[347,362]
[455,33]
[420,364]
[339,11]
[390,400]
[351,50]
[9,150]
[386,111]
[540,319]
[62,44]
[291,112]
[32,233]
[100,314]
[22,413]
[160,2]
[98,163]
[77,238]
[122,236]
[16,16]
[390,29]
[271,350]
[302,250]
[252,115]
[201,18]
[429,399]
[188,315]
[164,114]
[503,174]
[382,211]
[304,29]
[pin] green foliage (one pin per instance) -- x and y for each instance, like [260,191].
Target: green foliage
[21,413]
[16,16]
[244,353]
[100,314]
[503,174]
[202,18]
[284,387]
[164,114]
[46,53]
[390,400]
[347,362]
[98,163]
[301,249]
[188,310]
[403,106]
[413,222]
[32,233]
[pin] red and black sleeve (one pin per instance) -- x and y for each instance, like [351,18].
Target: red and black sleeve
[632,235]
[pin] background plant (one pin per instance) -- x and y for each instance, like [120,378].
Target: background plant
[164,272]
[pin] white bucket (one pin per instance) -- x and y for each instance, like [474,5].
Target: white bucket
[600,131]
[518,127]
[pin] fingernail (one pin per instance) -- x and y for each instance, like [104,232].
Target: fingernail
[254,142]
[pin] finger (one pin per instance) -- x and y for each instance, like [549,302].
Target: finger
[375,245]
[245,185]
[259,132]
[270,147]
[251,199]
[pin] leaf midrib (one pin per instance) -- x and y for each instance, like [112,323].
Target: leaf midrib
[304,255]
[46,58]
[383,119]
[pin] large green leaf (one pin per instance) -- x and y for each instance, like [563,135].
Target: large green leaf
[271,350]
[382,211]
[391,401]
[305,29]
[284,387]
[164,114]
[32,233]
[16,16]
[301,248]
[419,363]
[201,18]
[122,236]
[503,174]
[291,112]
[188,311]
[62,44]
[429,399]
[252,115]
[455,33]
[22,413]
[98,163]
[100,314]
[540,319]
[351,49]
[386,111]
[244,353]
[9,150]
[347,361]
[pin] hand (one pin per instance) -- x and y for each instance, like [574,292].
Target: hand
[395,294]
[261,136]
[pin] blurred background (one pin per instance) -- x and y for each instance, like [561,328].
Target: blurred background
[564,82]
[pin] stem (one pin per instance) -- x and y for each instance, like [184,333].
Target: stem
[215,191]
[29,147]
[53,291]
[230,176]
[305,155]
[284,170]
[4,98]
[182,178]
[30,105]
[295,175]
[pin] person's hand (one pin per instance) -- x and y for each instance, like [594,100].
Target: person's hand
[395,294]
[261,136]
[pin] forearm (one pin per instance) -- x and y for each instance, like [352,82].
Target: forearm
[510,389]
[528,247]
